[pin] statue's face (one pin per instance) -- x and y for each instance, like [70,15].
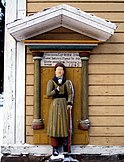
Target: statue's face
[59,71]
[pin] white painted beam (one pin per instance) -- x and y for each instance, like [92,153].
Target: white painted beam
[14,58]
[20,83]
[9,77]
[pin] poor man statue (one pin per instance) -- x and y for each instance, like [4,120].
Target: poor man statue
[62,93]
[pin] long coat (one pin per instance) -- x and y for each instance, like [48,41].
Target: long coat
[58,118]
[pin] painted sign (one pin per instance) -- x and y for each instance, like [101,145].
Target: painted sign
[68,59]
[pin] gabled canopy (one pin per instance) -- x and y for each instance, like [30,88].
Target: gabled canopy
[61,16]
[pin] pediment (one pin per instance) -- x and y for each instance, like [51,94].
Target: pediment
[62,16]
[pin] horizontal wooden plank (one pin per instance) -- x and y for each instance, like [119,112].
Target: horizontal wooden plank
[106,100]
[29,79]
[110,141]
[106,131]
[35,7]
[120,27]
[29,100]
[106,69]
[117,37]
[116,17]
[106,90]
[109,48]
[107,58]
[29,120]
[29,110]
[107,121]
[29,58]
[29,90]
[106,110]
[106,79]
[30,68]
[29,131]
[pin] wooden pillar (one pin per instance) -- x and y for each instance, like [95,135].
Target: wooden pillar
[84,122]
[37,121]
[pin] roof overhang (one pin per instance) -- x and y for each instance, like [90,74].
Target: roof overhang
[62,16]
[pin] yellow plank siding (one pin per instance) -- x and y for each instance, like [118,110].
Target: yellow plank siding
[106,79]
[106,110]
[107,131]
[106,100]
[29,110]
[29,131]
[29,120]
[106,69]
[104,141]
[29,56]
[114,17]
[30,69]
[29,79]
[115,121]
[29,100]
[117,38]
[29,90]
[106,90]
[120,27]
[113,7]
[107,59]
[109,48]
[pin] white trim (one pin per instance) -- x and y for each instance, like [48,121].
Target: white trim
[20,94]
[9,78]
[13,101]
[20,83]
[62,16]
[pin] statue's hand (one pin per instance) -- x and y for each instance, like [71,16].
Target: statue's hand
[58,88]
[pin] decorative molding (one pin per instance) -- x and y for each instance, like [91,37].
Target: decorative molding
[62,16]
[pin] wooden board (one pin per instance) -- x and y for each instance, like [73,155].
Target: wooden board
[106,69]
[106,79]
[110,141]
[106,100]
[106,110]
[111,59]
[113,7]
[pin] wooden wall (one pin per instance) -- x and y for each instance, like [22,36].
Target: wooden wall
[106,74]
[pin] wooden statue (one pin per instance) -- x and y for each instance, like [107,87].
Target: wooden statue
[62,93]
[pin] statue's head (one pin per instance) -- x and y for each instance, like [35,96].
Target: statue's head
[59,70]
